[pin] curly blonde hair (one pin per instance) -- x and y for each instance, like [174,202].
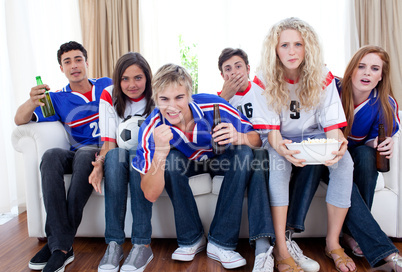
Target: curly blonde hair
[311,75]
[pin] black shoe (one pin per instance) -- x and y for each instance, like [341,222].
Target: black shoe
[39,261]
[58,261]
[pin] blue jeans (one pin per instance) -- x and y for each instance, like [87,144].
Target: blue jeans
[302,187]
[374,243]
[365,174]
[359,221]
[225,226]
[64,214]
[259,211]
[118,175]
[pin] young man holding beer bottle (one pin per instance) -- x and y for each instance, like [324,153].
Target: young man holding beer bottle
[77,107]
[176,143]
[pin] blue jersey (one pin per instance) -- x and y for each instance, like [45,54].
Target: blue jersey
[197,146]
[367,118]
[78,113]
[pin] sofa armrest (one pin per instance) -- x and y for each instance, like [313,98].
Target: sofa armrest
[32,140]
[43,136]
[392,178]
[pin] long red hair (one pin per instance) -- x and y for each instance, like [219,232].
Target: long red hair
[384,88]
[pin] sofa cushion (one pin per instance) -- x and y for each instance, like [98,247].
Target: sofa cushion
[200,185]
[216,184]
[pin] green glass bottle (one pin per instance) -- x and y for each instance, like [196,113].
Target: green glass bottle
[47,109]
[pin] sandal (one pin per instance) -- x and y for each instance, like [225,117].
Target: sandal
[342,259]
[394,262]
[350,243]
[293,267]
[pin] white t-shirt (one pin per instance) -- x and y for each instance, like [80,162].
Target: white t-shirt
[109,120]
[294,122]
[252,103]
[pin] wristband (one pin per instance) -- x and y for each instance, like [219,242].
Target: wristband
[100,158]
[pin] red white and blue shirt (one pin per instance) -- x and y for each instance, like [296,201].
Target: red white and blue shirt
[109,120]
[79,113]
[294,122]
[197,145]
[367,118]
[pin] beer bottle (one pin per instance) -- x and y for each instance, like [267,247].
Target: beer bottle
[382,161]
[217,148]
[47,109]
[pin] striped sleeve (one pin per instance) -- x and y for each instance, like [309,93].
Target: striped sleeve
[231,115]
[396,122]
[146,146]
[108,119]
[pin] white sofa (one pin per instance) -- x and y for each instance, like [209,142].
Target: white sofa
[33,139]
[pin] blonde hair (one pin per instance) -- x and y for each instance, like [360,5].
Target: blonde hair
[384,88]
[311,75]
[171,74]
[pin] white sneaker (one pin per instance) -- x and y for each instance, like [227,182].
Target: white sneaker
[228,258]
[187,254]
[307,264]
[264,262]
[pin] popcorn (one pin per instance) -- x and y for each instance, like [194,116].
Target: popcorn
[319,141]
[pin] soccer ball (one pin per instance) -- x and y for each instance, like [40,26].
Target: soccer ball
[127,132]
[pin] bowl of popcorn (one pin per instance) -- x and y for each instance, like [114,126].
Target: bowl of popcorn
[315,151]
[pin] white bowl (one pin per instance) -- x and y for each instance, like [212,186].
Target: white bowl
[314,153]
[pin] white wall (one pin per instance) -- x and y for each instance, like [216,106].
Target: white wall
[30,35]
[214,25]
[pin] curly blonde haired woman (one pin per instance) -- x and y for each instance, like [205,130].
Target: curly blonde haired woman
[302,96]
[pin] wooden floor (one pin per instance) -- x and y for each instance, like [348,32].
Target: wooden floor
[16,249]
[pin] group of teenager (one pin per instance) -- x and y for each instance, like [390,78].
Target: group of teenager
[292,98]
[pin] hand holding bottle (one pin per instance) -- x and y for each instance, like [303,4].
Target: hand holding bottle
[47,105]
[218,135]
[386,148]
[37,94]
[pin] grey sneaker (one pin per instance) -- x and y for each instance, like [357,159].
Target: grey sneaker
[137,259]
[111,260]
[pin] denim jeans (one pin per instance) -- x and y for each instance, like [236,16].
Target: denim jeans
[225,226]
[374,243]
[64,214]
[303,185]
[360,222]
[259,211]
[365,174]
[118,175]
